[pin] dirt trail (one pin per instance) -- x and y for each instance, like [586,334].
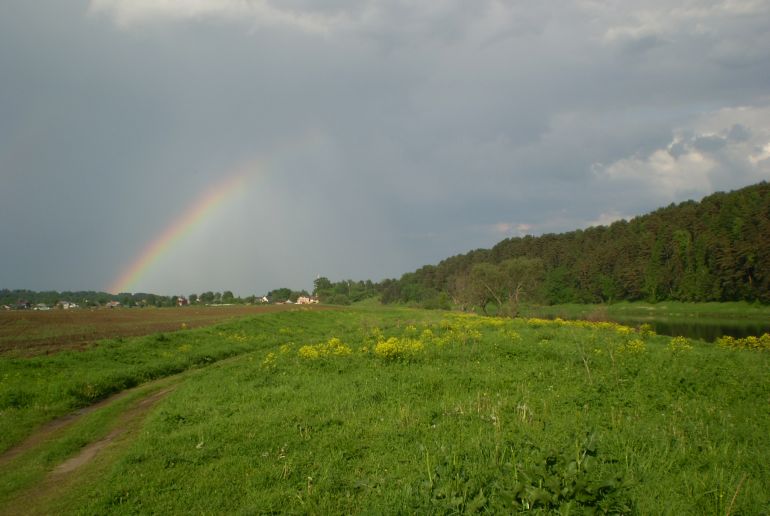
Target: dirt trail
[50,429]
[35,499]
[137,411]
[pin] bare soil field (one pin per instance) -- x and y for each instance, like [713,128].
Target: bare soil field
[28,332]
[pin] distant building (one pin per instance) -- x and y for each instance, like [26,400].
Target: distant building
[182,301]
[303,300]
[67,305]
[42,306]
[113,304]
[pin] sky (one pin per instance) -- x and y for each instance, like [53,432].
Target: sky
[180,146]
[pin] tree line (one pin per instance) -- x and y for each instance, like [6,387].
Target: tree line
[717,249]
[344,292]
[84,298]
[21,298]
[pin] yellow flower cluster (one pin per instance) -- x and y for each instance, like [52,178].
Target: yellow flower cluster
[679,344]
[269,361]
[377,334]
[234,337]
[596,325]
[758,343]
[463,330]
[395,348]
[332,347]
[646,330]
[633,346]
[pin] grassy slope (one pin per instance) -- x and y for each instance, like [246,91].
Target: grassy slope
[482,413]
[735,311]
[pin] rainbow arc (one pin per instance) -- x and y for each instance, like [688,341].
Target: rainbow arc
[178,229]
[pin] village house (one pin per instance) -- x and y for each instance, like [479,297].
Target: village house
[303,300]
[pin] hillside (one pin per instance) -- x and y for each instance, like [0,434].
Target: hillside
[713,250]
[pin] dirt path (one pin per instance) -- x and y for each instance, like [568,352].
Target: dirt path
[49,430]
[94,458]
[137,411]
[37,498]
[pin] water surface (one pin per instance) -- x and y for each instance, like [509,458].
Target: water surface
[704,329]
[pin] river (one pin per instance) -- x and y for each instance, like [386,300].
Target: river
[707,330]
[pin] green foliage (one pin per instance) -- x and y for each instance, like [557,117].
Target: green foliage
[712,250]
[761,343]
[571,482]
[281,295]
[343,292]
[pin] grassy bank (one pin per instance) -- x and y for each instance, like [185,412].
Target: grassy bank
[387,411]
[670,309]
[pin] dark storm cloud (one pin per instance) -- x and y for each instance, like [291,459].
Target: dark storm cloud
[390,134]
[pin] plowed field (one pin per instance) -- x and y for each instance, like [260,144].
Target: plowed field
[27,332]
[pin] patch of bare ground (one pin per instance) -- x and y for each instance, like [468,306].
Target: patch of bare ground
[86,455]
[39,498]
[49,430]
[28,333]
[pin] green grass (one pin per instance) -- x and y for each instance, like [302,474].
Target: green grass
[30,467]
[665,309]
[37,389]
[476,414]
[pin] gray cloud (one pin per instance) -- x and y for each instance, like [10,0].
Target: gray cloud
[391,134]
[709,143]
[739,133]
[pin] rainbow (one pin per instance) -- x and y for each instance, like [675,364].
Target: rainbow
[177,230]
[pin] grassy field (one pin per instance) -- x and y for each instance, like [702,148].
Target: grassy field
[733,311]
[373,410]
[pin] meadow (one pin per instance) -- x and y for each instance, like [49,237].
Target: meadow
[392,410]
[728,311]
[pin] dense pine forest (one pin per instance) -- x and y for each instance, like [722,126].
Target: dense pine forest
[717,249]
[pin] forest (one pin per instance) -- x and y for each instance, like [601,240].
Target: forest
[717,249]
